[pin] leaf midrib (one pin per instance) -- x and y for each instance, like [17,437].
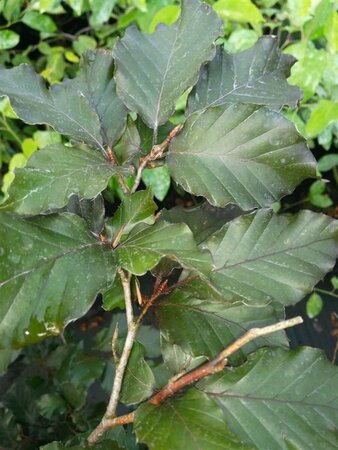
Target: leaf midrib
[270,399]
[48,261]
[249,260]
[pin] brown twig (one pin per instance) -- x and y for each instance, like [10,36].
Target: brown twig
[155,153]
[218,363]
[209,368]
[161,289]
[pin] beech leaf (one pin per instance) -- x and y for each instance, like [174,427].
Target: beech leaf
[203,326]
[146,245]
[153,71]
[85,108]
[55,173]
[52,270]
[135,208]
[138,381]
[278,398]
[191,421]
[262,258]
[257,75]
[242,154]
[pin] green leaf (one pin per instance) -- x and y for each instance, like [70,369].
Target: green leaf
[135,208]
[167,15]
[11,10]
[52,269]
[176,360]
[138,381]
[191,421]
[278,398]
[51,404]
[129,145]
[241,154]
[203,326]
[153,71]
[146,245]
[39,22]
[86,108]
[314,305]
[102,445]
[240,40]
[324,113]
[101,11]
[84,43]
[300,11]
[238,11]
[8,39]
[91,210]
[6,358]
[203,220]
[307,73]
[114,297]
[317,195]
[257,75]
[54,174]
[75,371]
[328,162]
[261,258]
[334,282]
[158,179]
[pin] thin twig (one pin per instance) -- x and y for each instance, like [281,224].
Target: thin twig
[209,368]
[155,153]
[162,289]
[218,363]
[114,344]
[334,356]
[123,361]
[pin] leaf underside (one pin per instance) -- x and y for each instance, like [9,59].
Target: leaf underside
[52,268]
[242,154]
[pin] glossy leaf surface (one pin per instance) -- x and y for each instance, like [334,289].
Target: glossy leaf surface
[242,154]
[153,71]
[202,325]
[86,108]
[278,398]
[257,75]
[146,245]
[203,220]
[55,173]
[135,208]
[192,421]
[138,381]
[261,257]
[52,269]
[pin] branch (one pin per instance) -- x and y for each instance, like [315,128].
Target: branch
[122,364]
[155,153]
[217,364]
[209,368]
[109,420]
